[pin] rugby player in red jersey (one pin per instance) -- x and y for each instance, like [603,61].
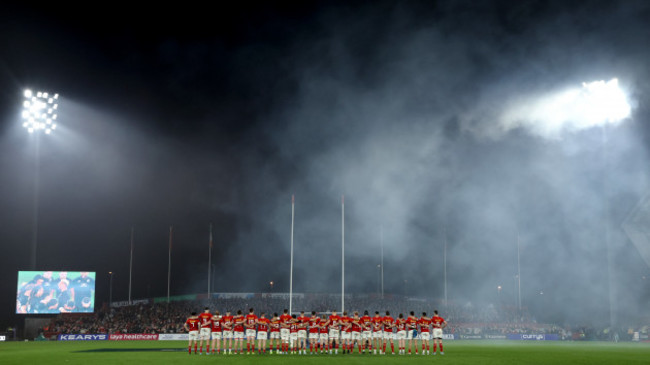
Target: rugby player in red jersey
[239,332]
[411,327]
[293,334]
[262,332]
[303,321]
[377,333]
[334,323]
[275,334]
[216,332]
[346,332]
[357,326]
[366,334]
[314,322]
[205,319]
[323,331]
[227,322]
[192,325]
[388,332]
[400,333]
[250,323]
[438,323]
[285,324]
[425,335]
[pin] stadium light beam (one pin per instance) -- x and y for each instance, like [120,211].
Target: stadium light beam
[596,103]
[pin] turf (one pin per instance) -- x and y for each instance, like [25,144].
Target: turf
[456,352]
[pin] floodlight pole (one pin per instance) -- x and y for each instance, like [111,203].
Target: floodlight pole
[209,261]
[381,243]
[518,273]
[110,290]
[342,253]
[608,243]
[169,262]
[37,158]
[445,263]
[131,264]
[293,200]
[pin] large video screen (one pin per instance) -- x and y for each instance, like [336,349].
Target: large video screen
[43,292]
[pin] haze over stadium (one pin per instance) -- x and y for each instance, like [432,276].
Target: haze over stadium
[471,127]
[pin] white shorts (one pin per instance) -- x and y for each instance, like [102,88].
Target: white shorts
[275,335]
[356,336]
[425,336]
[284,332]
[302,334]
[437,333]
[227,334]
[323,336]
[345,335]
[205,333]
[293,336]
[261,335]
[366,335]
[313,336]
[409,334]
[250,332]
[216,335]
[334,334]
[194,335]
[239,335]
[377,334]
[388,335]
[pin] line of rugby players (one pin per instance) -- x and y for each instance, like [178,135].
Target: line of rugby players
[324,334]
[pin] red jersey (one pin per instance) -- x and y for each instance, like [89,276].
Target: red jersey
[275,325]
[227,322]
[388,323]
[437,321]
[323,327]
[239,323]
[216,324]
[313,324]
[424,323]
[366,322]
[411,323]
[192,324]
[303,319]
[400,324]
[263,324]
[206,320]
[284,320]
[293,327]
[250,321]
[356,324]
[346,324]
[335,321]
[376,323]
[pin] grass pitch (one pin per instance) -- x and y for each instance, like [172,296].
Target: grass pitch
[456,352]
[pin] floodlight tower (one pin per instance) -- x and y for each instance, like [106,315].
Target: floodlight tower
[39,115]
[604,103]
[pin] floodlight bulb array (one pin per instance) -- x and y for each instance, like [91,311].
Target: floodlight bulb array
[39,111]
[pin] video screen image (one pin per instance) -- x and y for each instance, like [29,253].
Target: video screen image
[45,292]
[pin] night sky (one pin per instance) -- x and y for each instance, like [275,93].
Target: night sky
[192,115]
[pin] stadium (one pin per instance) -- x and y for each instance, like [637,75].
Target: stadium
[317,181]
